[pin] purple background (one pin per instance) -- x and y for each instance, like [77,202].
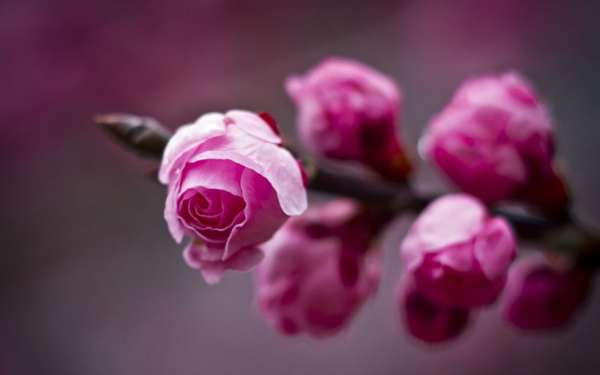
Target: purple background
[90,280]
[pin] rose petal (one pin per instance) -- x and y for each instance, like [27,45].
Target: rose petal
[458,257]
[245,259]
[213,272]
[450,220]
[276,164]
[254,125]
[176,228]
[495,247]
[213,174]
[263,214]
[185,139]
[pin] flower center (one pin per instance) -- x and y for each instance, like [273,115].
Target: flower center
[210,210]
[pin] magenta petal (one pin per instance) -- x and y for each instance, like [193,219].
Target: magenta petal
[213,272]
[192,255]
[458,257]
[199,256]
[196,254]
[185,139]
[263,214]
[449,220]
[274,163]
[213,174]
[210,214]
[245,259]
[176,228]
[495,247]
[427,321]
[254,125]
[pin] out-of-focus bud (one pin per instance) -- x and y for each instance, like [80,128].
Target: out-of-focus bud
[142,134]
[495,141]
[427,321]
[349,111]
[318,270]
[457,253]
[538,297]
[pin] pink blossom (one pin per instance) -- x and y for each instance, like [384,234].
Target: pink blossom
[349,111]
[318,270]
[538,297]
[458,254]
[427,321]
[230,187]
[495,140]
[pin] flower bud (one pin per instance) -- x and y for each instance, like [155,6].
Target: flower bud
[349,111]
[230,187]
[427,321]
[457,253]
[317,271]
[537,297]
[495,141]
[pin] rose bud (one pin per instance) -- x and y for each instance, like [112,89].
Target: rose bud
[457,253]
[349,111]
[230,187]
[427,321]
[495,141]
[537,297]
[318,270]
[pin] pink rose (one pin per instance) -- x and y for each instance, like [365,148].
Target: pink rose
[495,141]
[230,187]
[318,270]
[349,111]
[427,321]
[458,254]
[537,297]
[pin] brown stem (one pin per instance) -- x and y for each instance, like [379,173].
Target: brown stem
[149,138]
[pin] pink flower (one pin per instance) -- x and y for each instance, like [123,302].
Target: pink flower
[318,270]
[495,141]
[349,111]
[538,297]
[230,187]
[457,253]
[427,321]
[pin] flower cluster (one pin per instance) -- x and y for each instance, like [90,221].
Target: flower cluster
[240,197]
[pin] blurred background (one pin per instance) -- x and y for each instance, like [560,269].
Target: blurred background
[91,281]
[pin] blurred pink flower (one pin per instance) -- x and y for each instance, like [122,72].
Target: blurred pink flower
[538,297]
[457,253]
[318,270]
[495,141]
[427,321]
[230,187]
[347,110]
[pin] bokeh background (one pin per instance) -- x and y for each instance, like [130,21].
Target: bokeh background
[90,280]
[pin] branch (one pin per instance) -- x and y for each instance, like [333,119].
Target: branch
[149,138]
